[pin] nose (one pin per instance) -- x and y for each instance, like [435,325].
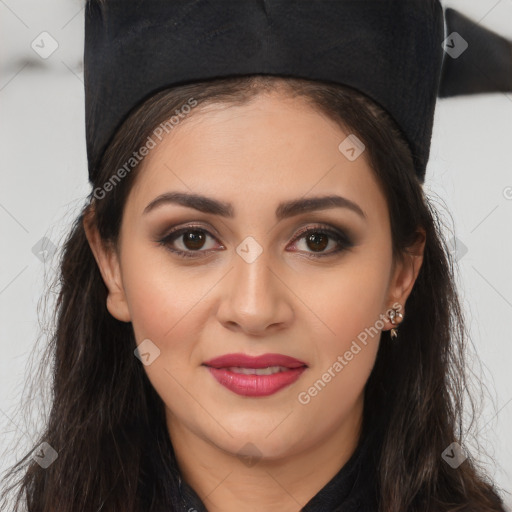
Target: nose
[255,298]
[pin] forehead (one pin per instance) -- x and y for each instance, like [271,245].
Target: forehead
[271,148]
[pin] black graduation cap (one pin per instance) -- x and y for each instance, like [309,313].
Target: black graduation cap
[485,67]
[397,52]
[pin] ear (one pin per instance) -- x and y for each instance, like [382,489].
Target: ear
[107,260]
[405,272]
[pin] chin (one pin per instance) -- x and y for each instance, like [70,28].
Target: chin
[264,442]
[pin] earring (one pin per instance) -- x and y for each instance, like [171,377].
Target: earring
[395,317]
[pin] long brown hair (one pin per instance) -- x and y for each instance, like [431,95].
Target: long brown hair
[107,423]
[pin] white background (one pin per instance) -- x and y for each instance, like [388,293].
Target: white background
[44,182]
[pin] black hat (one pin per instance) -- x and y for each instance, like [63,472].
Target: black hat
[395,51]
[485,67]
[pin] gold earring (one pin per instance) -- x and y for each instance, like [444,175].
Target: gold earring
[395,317]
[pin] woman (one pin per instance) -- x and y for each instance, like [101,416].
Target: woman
[257,312]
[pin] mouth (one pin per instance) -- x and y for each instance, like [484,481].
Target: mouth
[255,376]
[255,362]
[269,370]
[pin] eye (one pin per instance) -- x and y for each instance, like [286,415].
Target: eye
[317,238]
[191,239]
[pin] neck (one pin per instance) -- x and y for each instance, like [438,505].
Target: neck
[226,482]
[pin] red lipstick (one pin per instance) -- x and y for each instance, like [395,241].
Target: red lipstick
[255,376]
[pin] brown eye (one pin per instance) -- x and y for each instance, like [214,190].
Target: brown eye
[190,241]
[193,239]
[317,241]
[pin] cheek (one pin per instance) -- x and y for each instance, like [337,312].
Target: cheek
[169,305]
[347,306]
[348,299]
[168,310]
[159,297]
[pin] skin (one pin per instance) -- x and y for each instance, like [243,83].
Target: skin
[193,309]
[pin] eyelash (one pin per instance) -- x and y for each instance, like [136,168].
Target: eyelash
[343,241]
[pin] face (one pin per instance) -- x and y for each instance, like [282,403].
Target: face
[252,277]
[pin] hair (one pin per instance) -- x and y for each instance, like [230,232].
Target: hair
[107,422]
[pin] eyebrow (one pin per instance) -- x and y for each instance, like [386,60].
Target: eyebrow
[284,210]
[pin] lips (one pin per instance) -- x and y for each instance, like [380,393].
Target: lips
[255,376]
[245,361]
